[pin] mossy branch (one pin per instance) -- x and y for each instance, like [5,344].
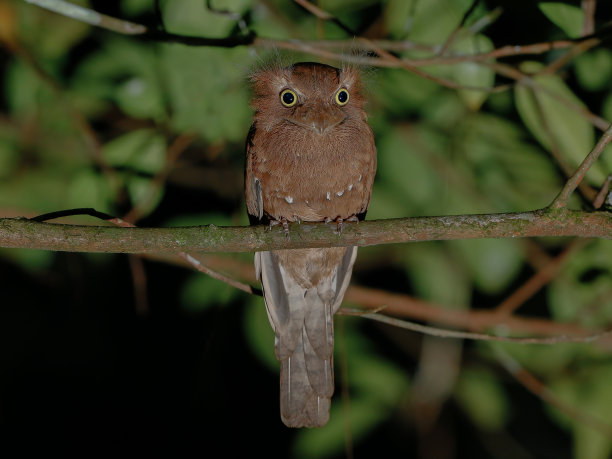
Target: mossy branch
[24,233]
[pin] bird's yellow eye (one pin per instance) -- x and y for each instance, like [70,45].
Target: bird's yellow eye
[342,97]
[288,98]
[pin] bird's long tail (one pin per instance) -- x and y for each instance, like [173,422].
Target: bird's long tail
[302,290]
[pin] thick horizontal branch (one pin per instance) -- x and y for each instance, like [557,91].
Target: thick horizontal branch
[24,233]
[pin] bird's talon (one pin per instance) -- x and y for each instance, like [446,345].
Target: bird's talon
[339,225]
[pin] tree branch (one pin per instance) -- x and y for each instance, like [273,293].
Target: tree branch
[23,233]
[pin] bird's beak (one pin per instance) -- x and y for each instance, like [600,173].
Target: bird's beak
[322,119]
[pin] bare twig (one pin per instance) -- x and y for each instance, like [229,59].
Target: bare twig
[457,334]
[562,198]
[473,320]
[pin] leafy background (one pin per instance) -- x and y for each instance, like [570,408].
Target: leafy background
[100,351]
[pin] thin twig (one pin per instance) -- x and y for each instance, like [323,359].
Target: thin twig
[473,320]
[443,333]
[562,198]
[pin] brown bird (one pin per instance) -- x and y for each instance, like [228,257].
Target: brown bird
[310,156]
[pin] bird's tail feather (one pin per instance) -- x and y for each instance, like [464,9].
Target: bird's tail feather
[302,317]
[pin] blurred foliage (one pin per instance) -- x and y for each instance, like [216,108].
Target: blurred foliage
[93,119]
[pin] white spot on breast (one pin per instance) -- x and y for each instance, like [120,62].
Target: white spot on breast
[360,177]
[328,196]
[289,199]
[340,193]
[350,187]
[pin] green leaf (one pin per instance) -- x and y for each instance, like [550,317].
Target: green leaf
[144,193]
[87,188]
[472,73]
[51,35]
[555,123]
[258,332]
[444,110]
[543,361]
[135,7]
[493,263]
[483,399]
[568,18]
[398,17]
[588,391]
[24,89]
[385,204]
[34,261]
[9,156]
[191,17]
[594,69]
[507,172]
[207,92]
[126,72]
[436,277]
[406,174]
[141,151]
[329,440]
[402,92]
[581,292]
[140,97]
[435,20]
[144,150]
[201,292]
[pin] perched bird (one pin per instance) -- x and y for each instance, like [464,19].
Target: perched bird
[310,156]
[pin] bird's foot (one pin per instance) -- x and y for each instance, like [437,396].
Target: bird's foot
[339,221]
[283,221]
